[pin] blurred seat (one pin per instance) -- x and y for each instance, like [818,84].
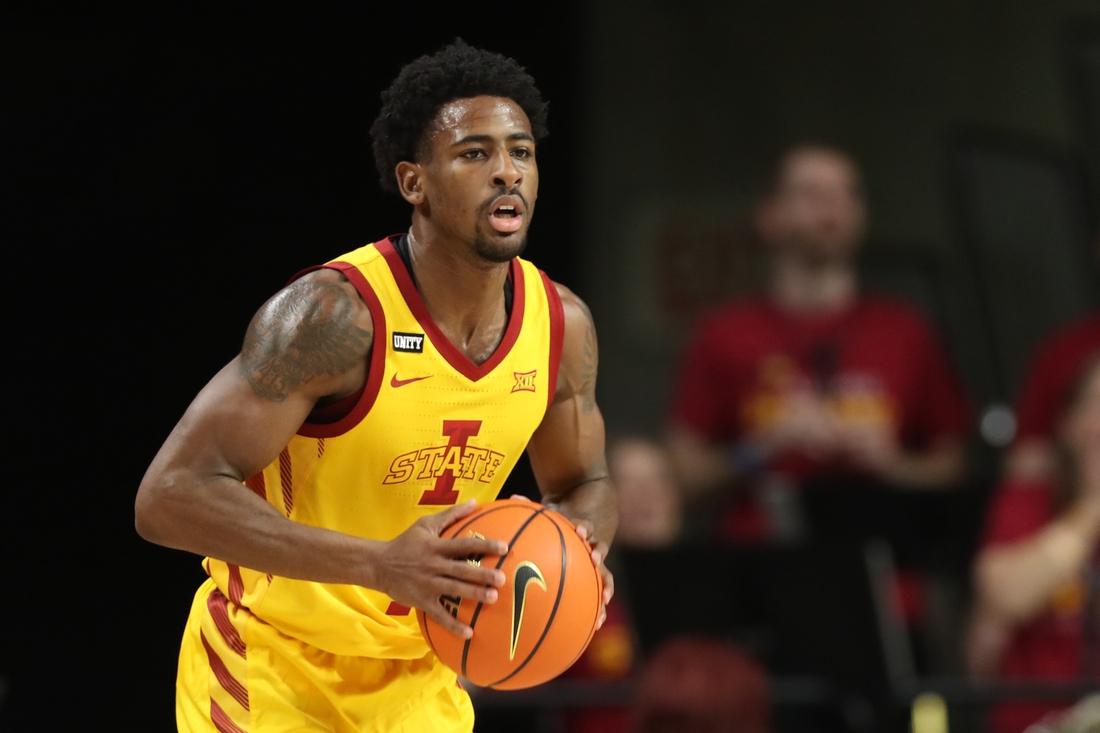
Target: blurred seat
[1022,212]
[1083,52]
[810,614]
[699,684]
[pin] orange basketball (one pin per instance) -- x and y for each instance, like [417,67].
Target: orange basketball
[545,613]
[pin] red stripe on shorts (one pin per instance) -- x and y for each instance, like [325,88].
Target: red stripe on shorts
[222,721]
[219,611]
[286,477]
[236,585]
[221,672]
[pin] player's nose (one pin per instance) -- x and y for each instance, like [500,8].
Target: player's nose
[506,173]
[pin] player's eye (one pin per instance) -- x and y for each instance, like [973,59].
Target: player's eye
[473,154]
[523,153]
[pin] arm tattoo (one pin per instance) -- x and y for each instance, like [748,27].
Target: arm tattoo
[591,360]
[303,332]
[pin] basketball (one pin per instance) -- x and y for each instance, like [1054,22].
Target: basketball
[545,613]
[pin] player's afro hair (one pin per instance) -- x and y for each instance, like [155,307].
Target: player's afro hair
[457,71]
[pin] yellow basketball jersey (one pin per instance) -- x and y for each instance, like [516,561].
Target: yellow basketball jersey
[430,429]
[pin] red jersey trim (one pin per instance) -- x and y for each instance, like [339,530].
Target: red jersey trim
[335,411]
[459,361]
[377,365]
[557,334]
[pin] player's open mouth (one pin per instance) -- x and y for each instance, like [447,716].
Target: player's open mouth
[506,214]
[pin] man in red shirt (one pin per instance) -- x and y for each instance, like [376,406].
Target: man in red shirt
[813,377]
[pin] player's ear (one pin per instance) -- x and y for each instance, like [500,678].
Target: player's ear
[410,181]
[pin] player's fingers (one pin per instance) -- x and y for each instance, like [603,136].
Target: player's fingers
[447,621]
[473,573]
[453,588]
[439,522]
[585,531]
[472,546]
[519,497]
[603,617]
[608,585]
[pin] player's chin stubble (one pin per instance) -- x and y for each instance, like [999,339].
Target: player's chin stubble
[501,250]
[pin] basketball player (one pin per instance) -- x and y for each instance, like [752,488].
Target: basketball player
[375,401]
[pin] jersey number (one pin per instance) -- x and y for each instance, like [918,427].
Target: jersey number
[457,432]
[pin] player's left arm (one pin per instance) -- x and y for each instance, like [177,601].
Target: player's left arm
[567,449]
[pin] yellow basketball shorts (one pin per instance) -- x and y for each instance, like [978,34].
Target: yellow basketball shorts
[237,674]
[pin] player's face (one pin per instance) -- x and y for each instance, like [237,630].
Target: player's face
[482,180]
[818,209]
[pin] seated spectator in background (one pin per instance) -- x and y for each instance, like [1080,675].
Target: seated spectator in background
[1037,576]
[649,501]
[649,518]
[812,378]
[1059,360]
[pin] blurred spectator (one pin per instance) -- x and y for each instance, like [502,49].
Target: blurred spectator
[1037,576]
[1059,360]
[702,685]
[812,378]
[649,518]
[649,501]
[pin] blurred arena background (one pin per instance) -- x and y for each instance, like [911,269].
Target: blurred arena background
[166,169]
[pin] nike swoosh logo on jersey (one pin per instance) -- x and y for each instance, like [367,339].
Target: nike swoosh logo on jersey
[524,574]
[395,382]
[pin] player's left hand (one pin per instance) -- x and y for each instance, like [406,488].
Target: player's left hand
[599,552]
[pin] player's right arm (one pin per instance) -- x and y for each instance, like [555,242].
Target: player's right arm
[311,342]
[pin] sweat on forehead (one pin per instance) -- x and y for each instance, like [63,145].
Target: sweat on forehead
[476,115]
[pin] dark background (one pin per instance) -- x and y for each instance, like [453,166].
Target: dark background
[166,171]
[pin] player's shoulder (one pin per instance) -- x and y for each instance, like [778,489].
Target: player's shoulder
[576,311]
[313,336]
[314,310]
[324,292]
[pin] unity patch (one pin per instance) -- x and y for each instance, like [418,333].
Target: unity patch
[412,342]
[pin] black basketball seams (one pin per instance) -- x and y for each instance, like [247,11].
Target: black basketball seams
[500,562]
[549,621]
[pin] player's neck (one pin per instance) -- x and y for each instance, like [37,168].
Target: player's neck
[800,285]
[463,293]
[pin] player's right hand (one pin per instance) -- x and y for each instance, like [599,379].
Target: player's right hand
[418,566]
